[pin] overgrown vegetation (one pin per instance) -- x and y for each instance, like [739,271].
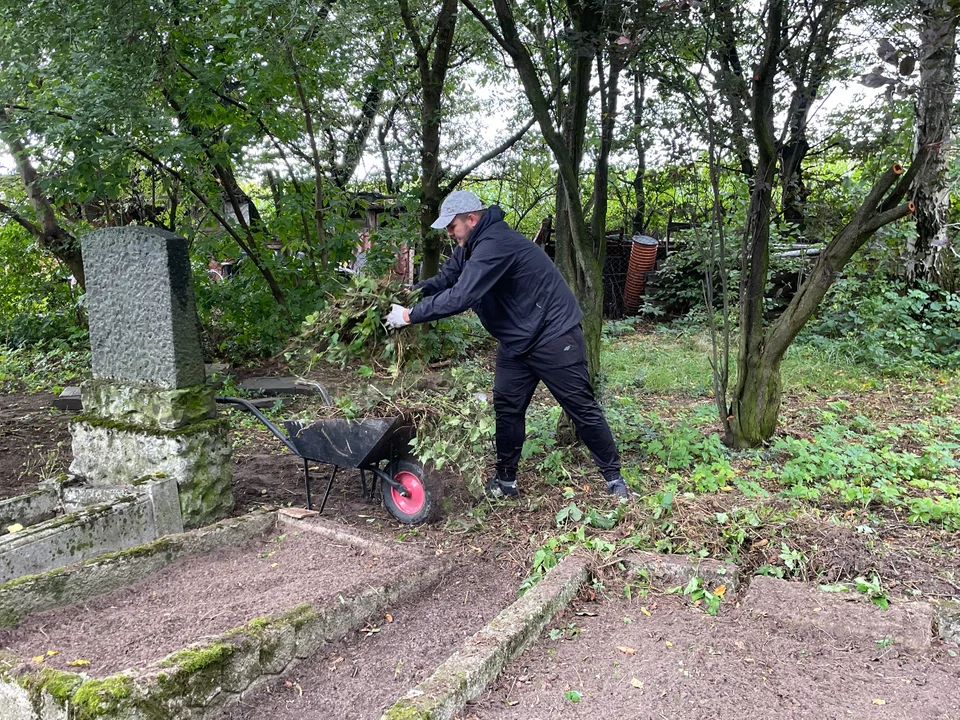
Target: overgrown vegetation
[348,330]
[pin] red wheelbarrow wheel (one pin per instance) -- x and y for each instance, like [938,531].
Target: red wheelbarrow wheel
[423,500]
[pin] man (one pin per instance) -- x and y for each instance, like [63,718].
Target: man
[524,302]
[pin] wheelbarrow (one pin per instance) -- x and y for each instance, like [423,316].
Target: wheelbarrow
[379,446]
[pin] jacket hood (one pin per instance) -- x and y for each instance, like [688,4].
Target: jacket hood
[493,215]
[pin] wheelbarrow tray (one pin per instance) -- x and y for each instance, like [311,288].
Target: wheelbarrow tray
[349,443]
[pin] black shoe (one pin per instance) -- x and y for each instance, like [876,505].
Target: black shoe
[498,488]
[618,487]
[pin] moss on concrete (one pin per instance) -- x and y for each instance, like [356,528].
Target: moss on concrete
[148,406]
[101,696]
[87,699]
[60,685]
[295,617]
[210,425]
[404,710]
[193,660]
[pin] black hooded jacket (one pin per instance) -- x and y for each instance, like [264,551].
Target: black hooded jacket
[509,281]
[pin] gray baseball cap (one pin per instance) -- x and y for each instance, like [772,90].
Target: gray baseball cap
[459,201]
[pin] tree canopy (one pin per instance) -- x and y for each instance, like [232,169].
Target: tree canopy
[261,130]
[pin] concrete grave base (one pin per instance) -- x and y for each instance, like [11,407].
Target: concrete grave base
[103,573]
[106,520]
[148,407]
[196,457]
[193,682]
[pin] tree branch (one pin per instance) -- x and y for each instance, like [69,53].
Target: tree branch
[30,227]
[499,149]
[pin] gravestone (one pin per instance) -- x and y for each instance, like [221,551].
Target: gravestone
[148,410]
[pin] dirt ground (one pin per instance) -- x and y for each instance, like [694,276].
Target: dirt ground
[660,657]
[686,664]
[34,442]
[199,597]
[361,676]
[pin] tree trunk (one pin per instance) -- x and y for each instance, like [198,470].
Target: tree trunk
[638,224]
[433,74]
[756,401]
[52,236]
[806,62]
[925,256]
[750,423]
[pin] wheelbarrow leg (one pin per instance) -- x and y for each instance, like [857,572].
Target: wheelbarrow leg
[329,485]
[363,484]
[306,475]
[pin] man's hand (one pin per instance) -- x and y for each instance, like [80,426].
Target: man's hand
[397,318]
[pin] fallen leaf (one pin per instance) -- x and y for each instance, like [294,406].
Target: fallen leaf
[16,527]
[274,564]
[636,683]
[669,644]
[389,617]
[51,653]
[878,701]
[759,544]
[719,590]
[586,613]
[79,662]
[627,650]
[39,658]
[645,611]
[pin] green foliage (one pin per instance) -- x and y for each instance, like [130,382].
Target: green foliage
[349,329]
[38,306]
[458,433]
[860,469]
[881,323]
[872,588]
[239,318]
[699,594]
[42,368]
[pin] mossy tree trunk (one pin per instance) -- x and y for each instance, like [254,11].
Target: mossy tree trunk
[754,408]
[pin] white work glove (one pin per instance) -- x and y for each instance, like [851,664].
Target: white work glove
[394,319]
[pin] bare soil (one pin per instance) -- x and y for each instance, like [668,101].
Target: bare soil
[198,598]
[660,657]
[685,665]
[361,676]
[34,442]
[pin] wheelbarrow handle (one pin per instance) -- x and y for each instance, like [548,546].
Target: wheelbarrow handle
[250,407]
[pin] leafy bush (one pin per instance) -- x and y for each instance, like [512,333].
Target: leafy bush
[241,320]
[38,304]
[349,329]
[884,324]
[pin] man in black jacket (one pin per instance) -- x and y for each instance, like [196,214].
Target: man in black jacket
[524,302]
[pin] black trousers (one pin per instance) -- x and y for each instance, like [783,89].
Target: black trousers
[562,366]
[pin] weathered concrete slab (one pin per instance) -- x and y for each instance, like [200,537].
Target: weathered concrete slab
[668,571]
[280,386]
[191,682]
[28,509]
[69,399]
[104,573]
[142,515]
[947,620]
[466,673]
[846,617]
[196,457]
